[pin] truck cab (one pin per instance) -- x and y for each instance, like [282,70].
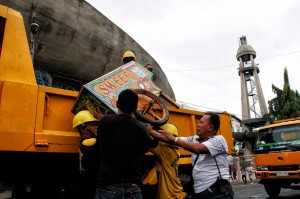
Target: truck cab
[277,152]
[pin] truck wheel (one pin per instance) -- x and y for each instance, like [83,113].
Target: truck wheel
[272,189]
[150,108]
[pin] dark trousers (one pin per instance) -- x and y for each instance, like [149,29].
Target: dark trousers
[119,191]
[244,178]
[211,193]
[204,194]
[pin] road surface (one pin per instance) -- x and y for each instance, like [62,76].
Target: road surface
[256,190]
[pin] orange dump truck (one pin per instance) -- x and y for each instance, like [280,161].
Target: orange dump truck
[38,146]
[277,155]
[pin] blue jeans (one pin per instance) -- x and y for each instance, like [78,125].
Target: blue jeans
[119,191]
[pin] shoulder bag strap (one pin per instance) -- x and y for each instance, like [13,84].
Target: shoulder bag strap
[195,161]
[216,160]
[218,167]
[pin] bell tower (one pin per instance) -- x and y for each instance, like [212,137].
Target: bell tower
[253,102]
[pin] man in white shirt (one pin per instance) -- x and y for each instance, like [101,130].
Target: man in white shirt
[212,150]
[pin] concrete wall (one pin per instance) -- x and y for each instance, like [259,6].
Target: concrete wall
[77,43]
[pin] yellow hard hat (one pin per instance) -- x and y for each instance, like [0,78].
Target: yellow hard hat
[82,117]
[171,128]
[128,54]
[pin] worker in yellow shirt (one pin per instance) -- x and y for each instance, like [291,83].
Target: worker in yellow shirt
[167,154]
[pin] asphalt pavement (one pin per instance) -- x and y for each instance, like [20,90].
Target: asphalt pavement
[256,190]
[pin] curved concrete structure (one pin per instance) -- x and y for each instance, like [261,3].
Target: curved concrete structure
[245,50]
[76,44]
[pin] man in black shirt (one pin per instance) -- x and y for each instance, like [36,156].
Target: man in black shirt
[123,141]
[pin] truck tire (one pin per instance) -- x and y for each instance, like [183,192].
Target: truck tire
[272,189]
[150,108]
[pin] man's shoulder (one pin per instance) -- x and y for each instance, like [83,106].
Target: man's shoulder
[219,137]
[216,138]
[107,119]
[217,142]
[109,116]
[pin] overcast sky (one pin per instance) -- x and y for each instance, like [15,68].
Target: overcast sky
[196,41]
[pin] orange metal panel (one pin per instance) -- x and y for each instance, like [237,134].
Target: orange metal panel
[53,148]
[185,161]
[272,175]
[3,11]
[17,118]
[58,137]
[278,159]
[54,109]
[58,91]
[15,61]
[226,131]
[54,132]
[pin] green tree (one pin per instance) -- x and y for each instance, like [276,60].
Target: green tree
[287,103]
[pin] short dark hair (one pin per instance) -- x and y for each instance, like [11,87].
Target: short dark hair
[127,101]
[214,119]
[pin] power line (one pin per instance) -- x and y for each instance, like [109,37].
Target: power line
[279,55]
[230,65]
[215,68]
[206,108]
